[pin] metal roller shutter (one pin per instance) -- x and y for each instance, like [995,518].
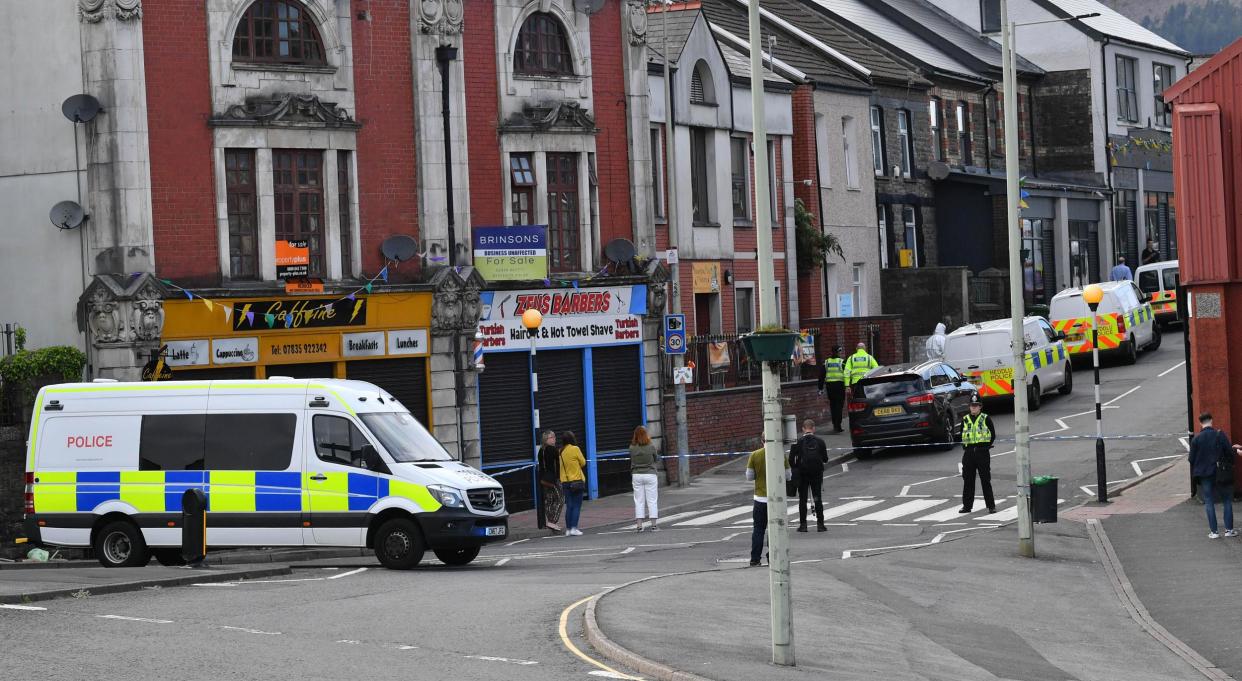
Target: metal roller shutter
[616,372]
[562,393]
[505,423]
[316,370]
[405,379]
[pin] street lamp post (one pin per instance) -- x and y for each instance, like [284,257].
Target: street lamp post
[1093,294]
[532,319]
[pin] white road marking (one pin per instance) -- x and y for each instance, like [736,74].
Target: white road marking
[502,561]
[1089,490]
[679,516]
[845,467]
[935,540]
[1122,395]
[13,606]
[949,514]
[500,659]
[407,647]
[948,524]
[905,491]
[517,542]
[350,642]
[813,560]
[1185,442]
[628,549]
[216,584]
[846,509]
[134,619]
[901,524]
[281,581]
[715,517]
[253,631]
[1139,471]
[1004,516]
[869,496]
[902,510]
[346,574]
[840,524]
[1171,369]
[608,675]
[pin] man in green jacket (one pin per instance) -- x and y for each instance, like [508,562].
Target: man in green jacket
[858,365]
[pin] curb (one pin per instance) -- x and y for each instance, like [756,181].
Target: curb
[1130,601]
[624,656]
[122,587]
[221,558]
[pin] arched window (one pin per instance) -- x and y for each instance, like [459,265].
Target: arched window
[702,90]
[280,32]
[542,48]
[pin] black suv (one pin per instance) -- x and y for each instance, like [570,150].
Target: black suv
[919,403]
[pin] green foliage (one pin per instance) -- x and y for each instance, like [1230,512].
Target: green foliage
[773,328]
[813,245]
[22,371]
[1202,28]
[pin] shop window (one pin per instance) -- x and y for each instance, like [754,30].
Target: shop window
[522,189]
[563,212]
[249,442]
[243,215]
[1084,252]
[542,48]
[298,184]
[278,32]
[171,442]
[1161,221]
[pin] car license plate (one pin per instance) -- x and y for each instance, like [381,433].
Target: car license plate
[888,411]
[496,531]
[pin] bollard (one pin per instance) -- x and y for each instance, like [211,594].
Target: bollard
[194,527]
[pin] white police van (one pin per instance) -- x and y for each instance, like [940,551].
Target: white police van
[282,462]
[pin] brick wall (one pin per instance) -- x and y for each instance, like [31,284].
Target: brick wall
[12,485]
[483,114]
[888,346]
[732,421]
[810,284]
[1063,125]
[612,155]
[384,87]
[183,200]
[897,192]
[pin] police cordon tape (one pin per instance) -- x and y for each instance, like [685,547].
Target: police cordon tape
[1034,438]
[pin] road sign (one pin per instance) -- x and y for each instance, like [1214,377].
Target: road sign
[674,334]
[683,375]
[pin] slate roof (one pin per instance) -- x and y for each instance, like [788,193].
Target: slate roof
[738,63]
[1109,23]
[680,23]
[949,35]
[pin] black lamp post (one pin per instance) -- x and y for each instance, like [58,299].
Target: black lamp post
[532,319]
[1093,294]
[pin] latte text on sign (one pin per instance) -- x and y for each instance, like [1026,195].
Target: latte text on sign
[292,259]
[307,313]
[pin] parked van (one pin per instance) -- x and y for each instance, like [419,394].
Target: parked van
[1127,322]
[282,462]
[1159,280]
[984,355]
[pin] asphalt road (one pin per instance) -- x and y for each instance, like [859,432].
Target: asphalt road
[501,618]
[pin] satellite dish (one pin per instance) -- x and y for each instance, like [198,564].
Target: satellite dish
[81,108]
[67,215]
[589,6]
[399,248]
[620,251]
[937,170]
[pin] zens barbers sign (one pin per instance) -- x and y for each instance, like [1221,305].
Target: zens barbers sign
[571,317]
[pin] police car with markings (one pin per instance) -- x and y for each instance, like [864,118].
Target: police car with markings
[1126,321]
[983,354]
[282,462]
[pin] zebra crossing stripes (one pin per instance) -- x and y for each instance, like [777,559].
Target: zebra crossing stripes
[713,518]
[885,510]
[902,510]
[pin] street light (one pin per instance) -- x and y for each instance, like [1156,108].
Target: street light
[1093,294]
[531,319]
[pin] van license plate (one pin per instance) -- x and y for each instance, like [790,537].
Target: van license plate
[1075,338]
[888,411]
[496,531]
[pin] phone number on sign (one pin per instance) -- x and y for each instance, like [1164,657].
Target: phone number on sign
[300,349]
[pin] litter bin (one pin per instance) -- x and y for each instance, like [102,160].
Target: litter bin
[1044,499]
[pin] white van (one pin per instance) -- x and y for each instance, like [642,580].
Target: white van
[1126,321]
[983,353]
[1159,280]
[282,462]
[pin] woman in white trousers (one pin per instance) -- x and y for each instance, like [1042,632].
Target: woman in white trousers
[643,461]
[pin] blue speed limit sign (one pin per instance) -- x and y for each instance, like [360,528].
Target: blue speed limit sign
[674,334]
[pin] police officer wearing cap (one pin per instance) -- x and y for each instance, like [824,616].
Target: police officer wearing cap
[832,376]
[978,434]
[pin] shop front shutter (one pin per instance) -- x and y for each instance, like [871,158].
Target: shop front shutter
[562,394]
[505,423]
[617,374]
[405,379]
[314,370]
[1132,231]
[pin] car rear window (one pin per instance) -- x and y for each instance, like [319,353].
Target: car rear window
[1149,281]
[1170,279]
[895,386]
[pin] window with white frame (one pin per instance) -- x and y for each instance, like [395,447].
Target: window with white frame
[963,133]
[934,114]
[739,164]
[657,172]
[1162,79]
[744,304]
[877,139]
[856,289]
[1127,91]
[773,172]
[522,188]
[882,210]
[905,139]
[848,131]
[821,150]
[909,240]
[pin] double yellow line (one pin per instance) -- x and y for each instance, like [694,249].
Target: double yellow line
[564,632]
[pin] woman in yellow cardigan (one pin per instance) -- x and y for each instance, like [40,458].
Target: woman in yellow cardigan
[573,481]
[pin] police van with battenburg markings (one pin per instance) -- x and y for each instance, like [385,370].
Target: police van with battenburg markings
[282,462]
[984,355]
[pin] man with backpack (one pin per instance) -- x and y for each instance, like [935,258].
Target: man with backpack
[1211,465]
[808,456]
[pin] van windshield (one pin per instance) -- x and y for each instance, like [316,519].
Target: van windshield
[404,437]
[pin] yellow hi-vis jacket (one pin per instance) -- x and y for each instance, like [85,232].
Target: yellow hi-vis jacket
[857,366]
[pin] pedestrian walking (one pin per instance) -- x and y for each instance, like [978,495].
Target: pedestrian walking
[756,470]
[858,365]
[550,481]
[1121,271]
[643,460]
[1211,465]
[573,481]
[832,379]
[978,434]
[934,347]
[808,456]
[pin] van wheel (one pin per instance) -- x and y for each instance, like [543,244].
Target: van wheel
[120,544]
[1033,395]
[1130,351]
[399,544]
[457,555]
[1067,385]
[169,557]
[1156,337]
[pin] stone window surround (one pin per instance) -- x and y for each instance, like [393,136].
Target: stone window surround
[263,141]
[577,37]
[538,146]
[222,26]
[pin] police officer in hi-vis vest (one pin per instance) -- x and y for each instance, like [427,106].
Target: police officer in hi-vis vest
[858,365]
[978,434]
[832,375]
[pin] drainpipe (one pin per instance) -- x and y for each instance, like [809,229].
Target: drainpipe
[445,54]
